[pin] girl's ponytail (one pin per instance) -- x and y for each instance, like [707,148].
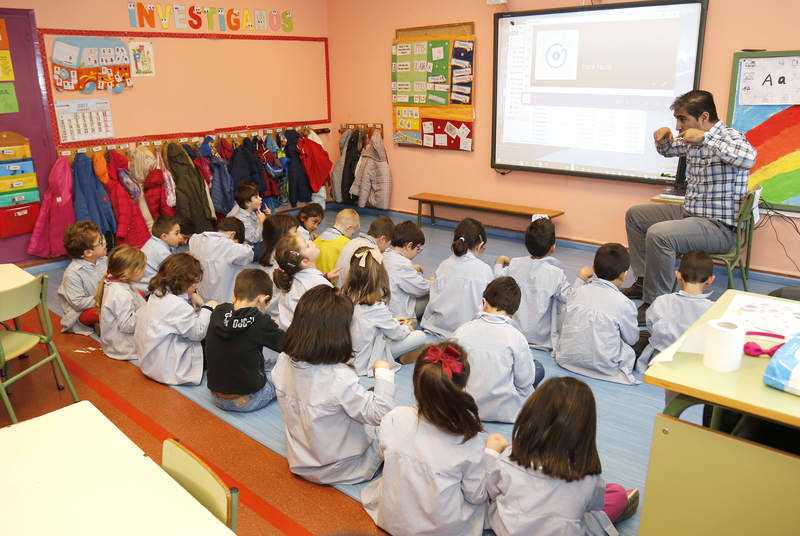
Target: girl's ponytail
[468,235]
[287,255]
[440,375]
[123,261]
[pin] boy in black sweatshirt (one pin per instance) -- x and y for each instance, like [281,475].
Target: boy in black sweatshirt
[238,375]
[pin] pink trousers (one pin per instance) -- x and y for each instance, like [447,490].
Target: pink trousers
[616,501]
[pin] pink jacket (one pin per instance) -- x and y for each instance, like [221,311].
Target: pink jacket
[131,227]
[55,214]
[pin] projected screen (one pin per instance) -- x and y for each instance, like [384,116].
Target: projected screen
[582,91]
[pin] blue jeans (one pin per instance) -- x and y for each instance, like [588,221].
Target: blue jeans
[539,376]
[249,402]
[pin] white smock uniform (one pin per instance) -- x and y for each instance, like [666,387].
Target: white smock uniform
[118,319]
[222,260]
[303,281]
[405,283]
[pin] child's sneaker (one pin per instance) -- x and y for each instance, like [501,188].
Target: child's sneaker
[630,508]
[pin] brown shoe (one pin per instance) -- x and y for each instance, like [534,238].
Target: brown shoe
[630,508]
[634,291]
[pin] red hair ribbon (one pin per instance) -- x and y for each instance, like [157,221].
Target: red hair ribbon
[448,358]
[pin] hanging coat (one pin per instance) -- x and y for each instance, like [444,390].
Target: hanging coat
[131,227]
[336,174]
[299,187]
[352,154]
[56,213]
[192,207]
[373,179]
[245,166]
[155,194]
[265,157]
[89,197]
[142,163]
[316,162]
[221,185]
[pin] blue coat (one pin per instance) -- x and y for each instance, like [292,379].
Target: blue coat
[89,197]
[221,185]
[245,166]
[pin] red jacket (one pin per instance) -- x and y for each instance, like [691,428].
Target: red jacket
[56,213]
[315,161]
[155,196]
[131,227]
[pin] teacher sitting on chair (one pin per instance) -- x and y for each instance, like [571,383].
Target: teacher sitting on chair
[718,159]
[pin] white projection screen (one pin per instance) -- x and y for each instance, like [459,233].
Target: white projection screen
[581,90]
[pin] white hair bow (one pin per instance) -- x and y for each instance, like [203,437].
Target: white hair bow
[539,217]
[376,254]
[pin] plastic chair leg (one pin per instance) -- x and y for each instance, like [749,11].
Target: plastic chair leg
[55,375]
[7,403]
[66,376]
[731,283]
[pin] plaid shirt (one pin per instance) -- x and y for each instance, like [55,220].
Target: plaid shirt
[717,172]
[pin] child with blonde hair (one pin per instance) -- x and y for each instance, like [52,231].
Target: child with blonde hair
[173,322]
[459,281]
[330,418]
[78,288]
[434,471]
[549,481]
[118,301]
[332,240]
[376,334]
[295,274]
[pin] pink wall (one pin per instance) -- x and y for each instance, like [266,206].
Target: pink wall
[360,35]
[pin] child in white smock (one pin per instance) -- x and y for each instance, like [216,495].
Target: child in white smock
[376,334]
[275,228]
[118,301]
[408,286]
[222,255]
[78,288]
[330,418]
[166,237]
[459,282]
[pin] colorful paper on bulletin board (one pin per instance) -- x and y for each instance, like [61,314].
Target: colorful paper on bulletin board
[8,99]
[6,68]
[406,125]
[411,68]
[446,134]
[439,74]
[461,71]
[88,63]
[143,62]
[3,35]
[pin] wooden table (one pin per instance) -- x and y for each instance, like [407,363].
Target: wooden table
[700,481]
[476,204]
[73,472]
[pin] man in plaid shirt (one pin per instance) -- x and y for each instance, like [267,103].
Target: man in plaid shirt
[718,160]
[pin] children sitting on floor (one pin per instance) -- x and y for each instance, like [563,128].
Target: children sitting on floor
[332,240]
[275,228]
[118,302]
[238,374]
[671,315]
[543,283]
[310,217]
[376,334]
[459,281]
[408,287]
[330,417]
[434,473]
[379,236]
[549,481]
[599,325]
[78,288]
[248,210]
[295,274]
[172,323]
[166,237]
[222,255]
[504,372]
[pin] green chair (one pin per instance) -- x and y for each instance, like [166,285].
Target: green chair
[202,483]
[740,254]
[14,343]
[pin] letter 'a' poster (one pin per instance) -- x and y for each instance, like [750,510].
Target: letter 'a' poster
[432,91]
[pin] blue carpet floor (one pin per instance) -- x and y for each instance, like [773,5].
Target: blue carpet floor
[625,414]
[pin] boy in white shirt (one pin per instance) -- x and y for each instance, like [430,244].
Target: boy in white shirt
[504,372]
[78,288]
[248,210]
[670,315]
[222,256]
[600,325]
[166,237]
[409,288]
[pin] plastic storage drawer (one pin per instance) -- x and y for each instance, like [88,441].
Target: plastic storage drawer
[17,182]
[20,197]
[16,167]
[18,220]
[15,152]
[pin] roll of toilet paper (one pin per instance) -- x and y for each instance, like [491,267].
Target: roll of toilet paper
[724,343]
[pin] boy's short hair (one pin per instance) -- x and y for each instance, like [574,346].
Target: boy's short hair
[696,266]
[405,232]
[611,260]
[244,191]
[540,237]
[164,224]
[252,283]
[309,211]
[232,224]
[80,236]
[346,217]
[381,226]
[504,294]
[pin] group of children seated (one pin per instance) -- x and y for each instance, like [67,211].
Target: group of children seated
[337,306]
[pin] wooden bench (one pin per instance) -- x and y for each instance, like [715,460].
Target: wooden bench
[489,206]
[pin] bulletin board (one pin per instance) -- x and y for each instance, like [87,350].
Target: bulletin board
[764,104]
[433,87]
[197,89]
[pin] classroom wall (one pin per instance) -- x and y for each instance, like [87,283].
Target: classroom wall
[360,35]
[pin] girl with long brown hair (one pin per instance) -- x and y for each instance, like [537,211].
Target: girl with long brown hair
[118,301]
